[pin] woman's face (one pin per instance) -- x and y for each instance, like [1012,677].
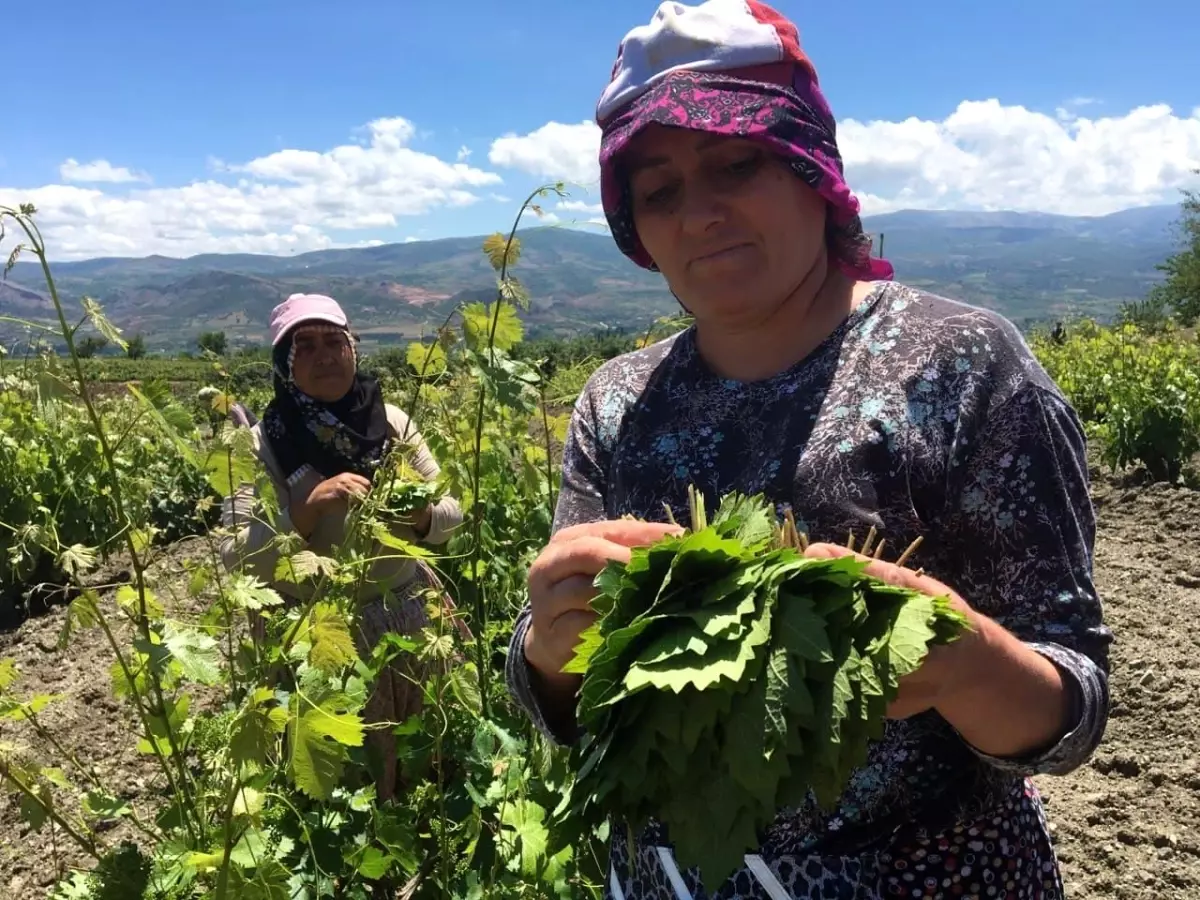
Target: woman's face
[323,363]
[732,229]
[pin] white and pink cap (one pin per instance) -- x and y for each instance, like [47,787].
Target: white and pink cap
[712,36]
[734,68]
[299,308]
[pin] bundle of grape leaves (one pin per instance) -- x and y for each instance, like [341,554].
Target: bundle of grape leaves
[728,676]
[402,490]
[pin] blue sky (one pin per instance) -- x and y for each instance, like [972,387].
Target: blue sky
[165,90]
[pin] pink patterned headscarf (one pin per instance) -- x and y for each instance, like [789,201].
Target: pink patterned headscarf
[731,67]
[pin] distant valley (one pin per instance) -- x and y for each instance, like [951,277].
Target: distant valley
[1029,266]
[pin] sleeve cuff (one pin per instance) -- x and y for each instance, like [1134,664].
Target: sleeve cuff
[444,518]
[1087,685]
[520,677]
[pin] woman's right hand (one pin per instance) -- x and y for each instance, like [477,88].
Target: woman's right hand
[330,495]
[337,491]
[561,590]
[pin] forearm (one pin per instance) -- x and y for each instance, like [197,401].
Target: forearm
[549,702]
[1007,700]
[304,517]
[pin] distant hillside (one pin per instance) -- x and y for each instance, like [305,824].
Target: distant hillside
[1029,266]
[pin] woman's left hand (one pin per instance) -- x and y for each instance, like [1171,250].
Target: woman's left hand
[423,521]
[925,688]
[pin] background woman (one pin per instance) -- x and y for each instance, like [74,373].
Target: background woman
[320,440]
[857,402]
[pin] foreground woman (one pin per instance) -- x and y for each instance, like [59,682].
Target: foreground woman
[857,403]
[321,438]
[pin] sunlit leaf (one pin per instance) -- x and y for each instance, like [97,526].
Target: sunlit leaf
[514,292]
[103,806]
[329,634]
[20,710]
[464,681]
[438,646]
[249,802]
[83,613]
[426,359]
[478,324]
[248,592]
[227,471]
[77,560]
[128,599]
[162,727]
[222,403]
[95,313]
[142,539]
[525,836]
[196,652]
[320,730]
[500,251]
[374,864]
[8,673]
[305,564]
[384,536]
[255,729]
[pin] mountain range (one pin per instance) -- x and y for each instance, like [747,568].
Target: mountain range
[1028,266]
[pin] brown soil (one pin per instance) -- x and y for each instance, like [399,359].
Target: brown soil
[100,731]
[1127,825]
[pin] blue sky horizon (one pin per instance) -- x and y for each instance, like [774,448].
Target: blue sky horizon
[282,128]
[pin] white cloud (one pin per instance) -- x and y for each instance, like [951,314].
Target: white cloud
[464,153]
[984,155]
[555,151]
[99,170]
[596,209]
[288,201]
[579,212]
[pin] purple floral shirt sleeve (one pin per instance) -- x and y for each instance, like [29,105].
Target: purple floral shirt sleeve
[1023,528]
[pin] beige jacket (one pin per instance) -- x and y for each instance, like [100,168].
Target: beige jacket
[247,545]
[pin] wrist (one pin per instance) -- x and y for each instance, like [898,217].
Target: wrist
[304,514]
[966,663]
[552,677]
[1003,697]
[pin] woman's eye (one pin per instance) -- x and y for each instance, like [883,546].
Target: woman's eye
[658,195]
[744,166]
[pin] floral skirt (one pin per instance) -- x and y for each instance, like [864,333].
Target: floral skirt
[1005,855]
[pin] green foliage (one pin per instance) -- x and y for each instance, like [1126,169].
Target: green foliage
[1180,291]
[214,342]
[50,450]
[1138,393]
[136,348]
[725,657]
[90,346]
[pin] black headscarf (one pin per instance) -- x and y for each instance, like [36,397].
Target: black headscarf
[347,435]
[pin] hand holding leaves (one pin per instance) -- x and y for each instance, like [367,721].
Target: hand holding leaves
[921,690]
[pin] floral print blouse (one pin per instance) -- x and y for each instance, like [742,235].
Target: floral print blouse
[918,416]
